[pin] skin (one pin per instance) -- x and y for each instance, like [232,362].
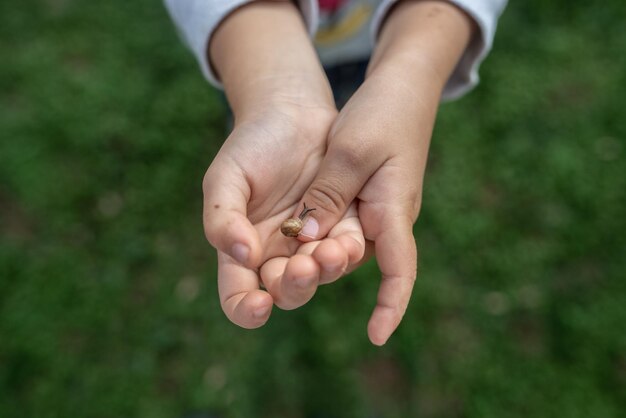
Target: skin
[362,169]
[283,111]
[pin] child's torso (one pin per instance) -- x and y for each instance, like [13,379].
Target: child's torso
[344,30]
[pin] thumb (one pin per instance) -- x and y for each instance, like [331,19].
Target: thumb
[342,174]
[226,225]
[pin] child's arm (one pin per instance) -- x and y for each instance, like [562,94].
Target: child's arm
[283,109]
[378,145]
[262,54]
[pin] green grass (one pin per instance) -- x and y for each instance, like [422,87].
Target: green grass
[108,302]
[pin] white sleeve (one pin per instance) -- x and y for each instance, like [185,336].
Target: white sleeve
[197,20]
[465,75]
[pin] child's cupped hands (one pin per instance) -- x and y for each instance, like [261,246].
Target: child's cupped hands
[253,185]
[362,169]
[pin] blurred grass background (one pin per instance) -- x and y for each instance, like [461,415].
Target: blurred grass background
[108,302]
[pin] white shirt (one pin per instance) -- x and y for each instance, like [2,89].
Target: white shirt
[343,32]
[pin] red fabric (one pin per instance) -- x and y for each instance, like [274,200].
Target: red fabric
[331,5]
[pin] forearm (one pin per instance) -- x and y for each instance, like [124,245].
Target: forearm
[421,43]
[262,53]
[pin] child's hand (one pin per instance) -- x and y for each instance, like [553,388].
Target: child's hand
[283,110]
[377,154]
[253,185]
[378,146]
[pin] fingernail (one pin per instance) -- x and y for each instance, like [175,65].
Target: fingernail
[261,312]
[241,252]
[311,228]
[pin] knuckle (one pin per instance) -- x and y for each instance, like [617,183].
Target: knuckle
[349,157]
[397,310]
[353,155]
[410,204]
[327,195]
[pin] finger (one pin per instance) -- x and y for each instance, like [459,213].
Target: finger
[241,299]
[349,234]
[271,271]
[348,247]
[367,254]
[332,258]
[343,172]
[341,250]
[396,254]
[226,226]
[297,284]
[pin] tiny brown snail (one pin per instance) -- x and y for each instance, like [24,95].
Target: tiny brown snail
[292,226]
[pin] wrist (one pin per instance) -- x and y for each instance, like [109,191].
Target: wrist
[263,54]
[296,92]
[422,41]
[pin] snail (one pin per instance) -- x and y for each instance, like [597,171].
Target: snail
[292,226]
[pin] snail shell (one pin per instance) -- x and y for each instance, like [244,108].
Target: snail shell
[291,227]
